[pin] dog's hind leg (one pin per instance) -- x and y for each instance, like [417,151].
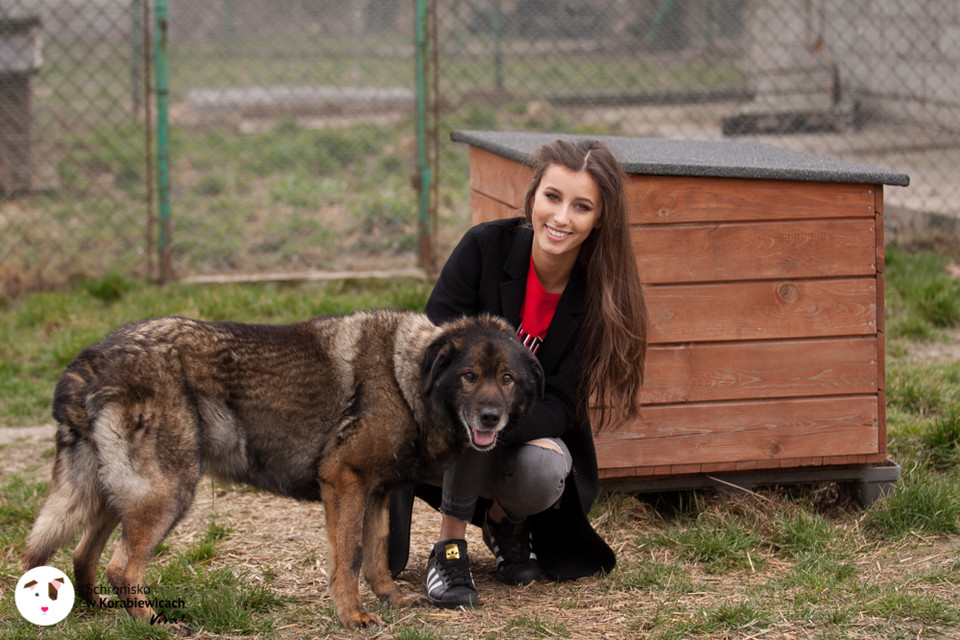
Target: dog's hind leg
[142,530]
[376,570]
[150,472]
[87,555]
[344,499]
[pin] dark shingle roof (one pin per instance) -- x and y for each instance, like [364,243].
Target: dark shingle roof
[717,159]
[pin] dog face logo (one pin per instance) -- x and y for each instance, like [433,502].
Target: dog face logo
[44,596]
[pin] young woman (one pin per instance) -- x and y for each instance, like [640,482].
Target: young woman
[565,275]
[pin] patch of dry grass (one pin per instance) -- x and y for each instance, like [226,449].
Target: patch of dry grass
[837,580]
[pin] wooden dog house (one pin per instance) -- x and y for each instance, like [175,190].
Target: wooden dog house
[763,273]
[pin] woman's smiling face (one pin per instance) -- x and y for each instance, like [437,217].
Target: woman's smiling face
[566,208]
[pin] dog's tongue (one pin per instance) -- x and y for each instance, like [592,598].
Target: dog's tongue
[484,438]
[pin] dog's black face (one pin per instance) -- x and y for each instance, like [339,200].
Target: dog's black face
[484,375]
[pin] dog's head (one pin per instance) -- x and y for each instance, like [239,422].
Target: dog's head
[483,378]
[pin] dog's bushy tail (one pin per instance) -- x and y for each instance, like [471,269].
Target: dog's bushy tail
[73,500]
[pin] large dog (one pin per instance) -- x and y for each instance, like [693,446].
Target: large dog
[338,408]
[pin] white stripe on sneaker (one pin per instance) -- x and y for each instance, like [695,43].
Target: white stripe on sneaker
[434,581]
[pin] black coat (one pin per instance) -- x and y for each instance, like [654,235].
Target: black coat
[487,272]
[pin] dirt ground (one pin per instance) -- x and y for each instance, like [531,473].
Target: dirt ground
[283,543]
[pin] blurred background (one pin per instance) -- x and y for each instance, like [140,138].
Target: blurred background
[173,140]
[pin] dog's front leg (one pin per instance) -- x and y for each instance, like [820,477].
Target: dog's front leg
[376,569]
[344,499]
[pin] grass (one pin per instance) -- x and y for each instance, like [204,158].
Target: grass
[222,599]
[40,335]
[805,563]
[714,541]
[924,300]
[277,194]
[288,197]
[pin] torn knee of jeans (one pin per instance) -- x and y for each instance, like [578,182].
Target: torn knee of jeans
[546,443]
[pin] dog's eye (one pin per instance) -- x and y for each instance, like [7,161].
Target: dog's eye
[469,376]
[506,380]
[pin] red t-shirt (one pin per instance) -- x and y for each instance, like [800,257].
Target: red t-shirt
[536,312]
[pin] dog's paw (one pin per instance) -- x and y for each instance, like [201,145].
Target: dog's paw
[414,600]
[178,629]
[361,620]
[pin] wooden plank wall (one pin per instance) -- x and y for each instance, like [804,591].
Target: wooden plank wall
[766,311]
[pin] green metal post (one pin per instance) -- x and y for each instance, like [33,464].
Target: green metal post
[666,8]
[423,177]
[161,72]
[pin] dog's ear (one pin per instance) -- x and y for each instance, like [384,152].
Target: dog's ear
[436,359]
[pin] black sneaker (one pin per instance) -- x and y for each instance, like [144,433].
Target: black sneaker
[448,582]
[510,543]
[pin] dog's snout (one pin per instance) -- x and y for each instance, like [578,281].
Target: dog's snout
[490,417]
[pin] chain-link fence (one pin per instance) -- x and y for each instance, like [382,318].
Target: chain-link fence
[72,146]
[874,81]
[293,137]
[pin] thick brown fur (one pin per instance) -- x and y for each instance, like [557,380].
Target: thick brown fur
[338,408]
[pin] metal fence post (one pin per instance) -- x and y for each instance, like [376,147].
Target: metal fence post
[423,177]
[163,143]
[146,39]
[296,116]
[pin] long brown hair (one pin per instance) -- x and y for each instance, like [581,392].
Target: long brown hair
[613,340]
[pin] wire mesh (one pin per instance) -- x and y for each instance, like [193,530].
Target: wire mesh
[293,139]
[873,81]
[73,144]
[297,120]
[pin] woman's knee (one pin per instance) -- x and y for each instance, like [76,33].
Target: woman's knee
[548,443]
[533,477]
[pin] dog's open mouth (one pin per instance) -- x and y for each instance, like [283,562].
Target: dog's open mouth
[483,439]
